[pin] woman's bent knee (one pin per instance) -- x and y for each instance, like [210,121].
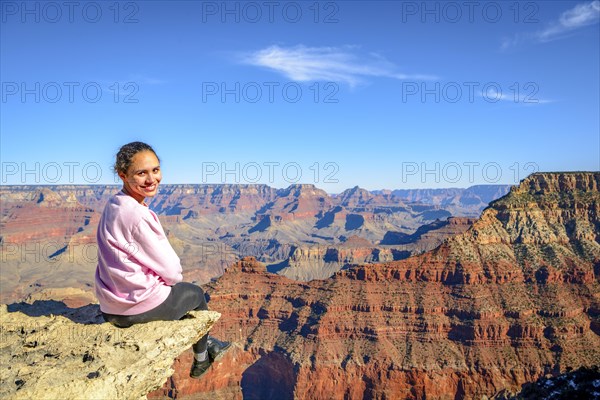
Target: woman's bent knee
[189,292]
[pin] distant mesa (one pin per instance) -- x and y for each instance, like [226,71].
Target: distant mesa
[356,241]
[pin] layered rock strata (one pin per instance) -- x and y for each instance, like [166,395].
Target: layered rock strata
[514,298]
[48,233]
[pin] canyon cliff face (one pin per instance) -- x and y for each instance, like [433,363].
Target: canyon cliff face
[48,233]
[514,298]
[320,261]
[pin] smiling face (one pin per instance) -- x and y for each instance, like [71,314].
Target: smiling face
[143,176]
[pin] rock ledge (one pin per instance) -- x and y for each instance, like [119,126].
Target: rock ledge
[52,357]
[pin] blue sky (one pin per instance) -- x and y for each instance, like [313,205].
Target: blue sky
[376,94]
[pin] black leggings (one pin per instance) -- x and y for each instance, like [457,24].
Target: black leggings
[184,297]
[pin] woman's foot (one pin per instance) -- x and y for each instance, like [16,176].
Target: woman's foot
[200,367]
[216,348]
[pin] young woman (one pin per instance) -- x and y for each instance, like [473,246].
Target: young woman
[138,277]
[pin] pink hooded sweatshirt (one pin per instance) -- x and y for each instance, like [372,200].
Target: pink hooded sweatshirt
[136,264]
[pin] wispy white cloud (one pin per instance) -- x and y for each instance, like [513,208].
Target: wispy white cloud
[513,41]
[579,16]
[518,98]
[146,80]
[301,63]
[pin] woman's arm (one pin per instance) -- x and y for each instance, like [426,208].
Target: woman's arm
[153,250]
